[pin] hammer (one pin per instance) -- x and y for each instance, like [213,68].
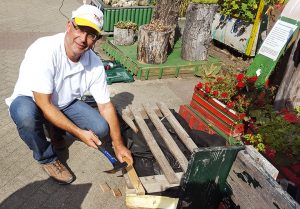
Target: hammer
[117,165]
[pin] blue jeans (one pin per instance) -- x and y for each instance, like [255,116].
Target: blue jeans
[29,120]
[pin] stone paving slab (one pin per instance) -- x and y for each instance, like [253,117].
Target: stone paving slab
[23,184]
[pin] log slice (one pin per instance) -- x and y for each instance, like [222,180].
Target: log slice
[152,47]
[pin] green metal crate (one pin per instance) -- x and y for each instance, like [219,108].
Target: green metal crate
[118,74]
[139,14]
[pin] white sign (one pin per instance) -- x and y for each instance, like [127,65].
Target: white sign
[276,40]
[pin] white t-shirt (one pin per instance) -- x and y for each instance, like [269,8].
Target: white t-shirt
[47,69]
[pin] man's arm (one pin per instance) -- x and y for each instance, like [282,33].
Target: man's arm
[56,117]
[108,111]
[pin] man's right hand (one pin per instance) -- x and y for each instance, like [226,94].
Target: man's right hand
[90,139]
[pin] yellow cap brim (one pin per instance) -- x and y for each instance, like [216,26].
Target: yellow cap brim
[83,22]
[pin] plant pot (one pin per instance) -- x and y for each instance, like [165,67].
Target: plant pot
[225,119]
[196,35]
[124,36]
[153,46]
[138,14]
[223,31]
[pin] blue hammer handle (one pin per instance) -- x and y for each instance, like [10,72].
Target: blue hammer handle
[108,155]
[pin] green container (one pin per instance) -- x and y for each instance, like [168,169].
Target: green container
[139,14]
[118,74]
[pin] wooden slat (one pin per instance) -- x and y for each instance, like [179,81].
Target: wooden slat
[134,180]
[150,201]
[158,183]
[252,188]
[262,161]
[128,112]
[155,149]
[129,121]
[104,187]
[183,135]
[171,144]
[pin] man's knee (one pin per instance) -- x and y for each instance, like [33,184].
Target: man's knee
[25,114]
[102,129]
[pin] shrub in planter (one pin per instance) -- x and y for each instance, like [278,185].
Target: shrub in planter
[124,32]
[275,133]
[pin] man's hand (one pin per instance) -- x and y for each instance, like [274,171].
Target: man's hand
[90,139]
[122,152]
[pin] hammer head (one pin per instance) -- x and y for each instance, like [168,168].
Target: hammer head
[117,167]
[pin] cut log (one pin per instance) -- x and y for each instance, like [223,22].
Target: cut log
[124,36]
[197,31]
[153,46]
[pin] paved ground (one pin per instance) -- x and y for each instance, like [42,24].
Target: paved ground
[23,184]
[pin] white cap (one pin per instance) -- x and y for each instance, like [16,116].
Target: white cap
[88,15]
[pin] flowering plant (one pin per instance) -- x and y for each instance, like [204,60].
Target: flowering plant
[275,133]
[236,91]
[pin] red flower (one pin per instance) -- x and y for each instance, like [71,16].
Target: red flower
[199,85]
[241,85]
[224,95]
[290,117]
[270,152]
[230,104]
[252,79]
[207,89]
[284,110]
[240,77]
[215,93]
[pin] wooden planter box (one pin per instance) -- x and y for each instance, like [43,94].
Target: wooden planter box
[139,14]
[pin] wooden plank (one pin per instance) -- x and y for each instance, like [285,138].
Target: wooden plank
[183,135]
[129,121]
[104,187]
[252,188]
[141,110]
[116,192]
[158,183]
[155,149]
[150,201]
[171,144]
[262,161]
[134,180]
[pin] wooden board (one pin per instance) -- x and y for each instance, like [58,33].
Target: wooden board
[135,116]
[186,139]
[155,149]
[150,201]
[251,187]
[171,144]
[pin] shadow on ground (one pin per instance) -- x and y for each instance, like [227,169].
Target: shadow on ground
[46,194]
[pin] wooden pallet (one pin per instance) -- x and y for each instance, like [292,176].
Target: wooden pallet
[137,187]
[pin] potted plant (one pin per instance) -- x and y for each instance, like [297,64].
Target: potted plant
[124,32]
[223,99]
[115,11]
[237,23]
[276,134]
[153,42]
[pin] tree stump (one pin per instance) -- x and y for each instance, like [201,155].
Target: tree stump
[197,31]
[124,36]
[152,47]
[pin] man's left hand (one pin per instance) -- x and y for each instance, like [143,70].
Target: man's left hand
[123,152]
